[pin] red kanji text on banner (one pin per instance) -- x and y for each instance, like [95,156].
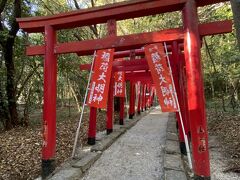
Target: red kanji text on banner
[99,87]
[161,76]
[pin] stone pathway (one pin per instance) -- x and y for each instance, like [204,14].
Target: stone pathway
[137,154]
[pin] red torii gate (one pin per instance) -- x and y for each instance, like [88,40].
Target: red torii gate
[194,101]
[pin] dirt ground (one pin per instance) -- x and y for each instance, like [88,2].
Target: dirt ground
[226,127]
[20,148]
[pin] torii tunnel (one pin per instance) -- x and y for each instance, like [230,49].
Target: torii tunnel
[183,43]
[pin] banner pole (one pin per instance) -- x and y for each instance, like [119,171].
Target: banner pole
[180,114]
[83,107]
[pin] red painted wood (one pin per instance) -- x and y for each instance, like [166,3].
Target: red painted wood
[207,2]
[145,98]
[109,125]
[92,123]
[175,72]
[137,75]
[139,99]
[89,46]
[85,17]
[49,96]
[97,15]
[121,54]
[112,27]
[183,87]
[134,98]
[153,95]
[148,97]
[136,64]
[131,99]
[214,28]
[120,43]
[141,79]
[138,52]
[112,32]
[196,100]
[131,68]
[143,92]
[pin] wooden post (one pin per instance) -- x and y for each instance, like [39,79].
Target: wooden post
[196,100]
[139,99]
[134,99]
[110,107]
[49,106]
[175,64]
[131,100]
[92,126]
[112,31]
[145,98]
[143,92]
[183,87]
[121,121]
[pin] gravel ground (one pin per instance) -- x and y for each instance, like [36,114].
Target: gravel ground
[219,162]
[136,155]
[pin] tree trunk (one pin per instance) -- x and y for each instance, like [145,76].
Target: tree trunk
[236,16]
[212,88]
[3,110]
[223,104]
[75,96]
[10,88]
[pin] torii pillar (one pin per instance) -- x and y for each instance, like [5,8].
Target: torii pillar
[121,113]
[49,103]
[196,100]
[175,71]
[139,98]
[131,100]
[112,31]
[143,96]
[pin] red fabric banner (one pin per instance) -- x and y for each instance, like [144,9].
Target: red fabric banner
[119,87]
[119,83]
[99,87]
[157,62]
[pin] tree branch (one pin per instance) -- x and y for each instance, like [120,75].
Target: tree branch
[17,12]
[235,4]
[76,4]
[210,56]
[92,27]
[2,5]
[26,81]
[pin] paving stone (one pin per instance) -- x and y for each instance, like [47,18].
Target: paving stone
[172,136]
[86,162]
[122,130]
[173,162]
[116,127]
[172,129]
[172,147]
[69,173]
[129,124]
[106,142]
[175,175]
[101,135]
